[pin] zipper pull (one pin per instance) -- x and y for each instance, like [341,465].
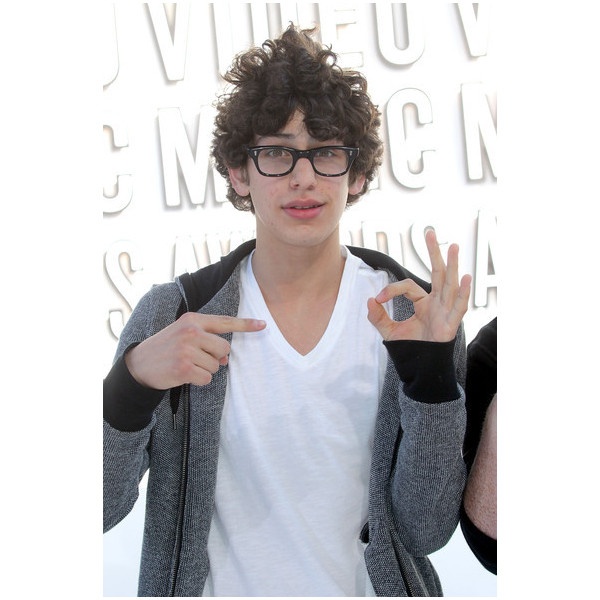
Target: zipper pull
[175,395]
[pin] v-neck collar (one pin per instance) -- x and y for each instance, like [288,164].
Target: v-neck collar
[325,345]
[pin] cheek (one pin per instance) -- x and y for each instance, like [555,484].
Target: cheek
[265,201]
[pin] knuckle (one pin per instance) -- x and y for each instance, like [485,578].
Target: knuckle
[183,367]
[188,326]
[213,366]
[187,319]
[204,378]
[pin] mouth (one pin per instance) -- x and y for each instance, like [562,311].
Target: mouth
[303,209]
[303,205]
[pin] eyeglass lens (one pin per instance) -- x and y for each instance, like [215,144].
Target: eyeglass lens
[327,160]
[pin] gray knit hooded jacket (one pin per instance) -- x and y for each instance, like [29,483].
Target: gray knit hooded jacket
[417,471]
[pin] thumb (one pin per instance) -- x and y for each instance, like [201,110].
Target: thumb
[379,317]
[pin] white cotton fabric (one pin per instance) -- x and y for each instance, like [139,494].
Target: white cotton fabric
[295,451]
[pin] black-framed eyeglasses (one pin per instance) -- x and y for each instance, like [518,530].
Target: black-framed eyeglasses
[277,161]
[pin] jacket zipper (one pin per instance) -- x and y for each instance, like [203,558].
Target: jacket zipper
[182,490]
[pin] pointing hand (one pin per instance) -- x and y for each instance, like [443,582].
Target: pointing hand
[189,350]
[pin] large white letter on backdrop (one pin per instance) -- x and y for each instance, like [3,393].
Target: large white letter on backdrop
[117,169]
[386,32]
[372,230]
[176,152]
[484,259]
[173,49]
[475,19]
[408,147]
[479,129]
[109,51]
[130,288]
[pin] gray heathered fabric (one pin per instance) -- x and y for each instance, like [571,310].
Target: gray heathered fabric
[415,486]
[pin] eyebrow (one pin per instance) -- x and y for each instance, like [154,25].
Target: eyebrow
[279,136]
[289,137]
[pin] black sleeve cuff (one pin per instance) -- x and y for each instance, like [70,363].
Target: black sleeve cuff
[426,368]
[128,405]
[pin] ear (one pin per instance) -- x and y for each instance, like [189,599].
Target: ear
[238,177]
[357,185]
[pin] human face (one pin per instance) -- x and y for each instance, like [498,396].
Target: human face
[301,208]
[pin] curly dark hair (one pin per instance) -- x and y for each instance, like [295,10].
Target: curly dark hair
[271,82]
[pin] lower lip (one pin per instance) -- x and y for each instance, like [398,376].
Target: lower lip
[303,213]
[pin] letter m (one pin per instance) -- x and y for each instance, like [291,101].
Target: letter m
[178,157]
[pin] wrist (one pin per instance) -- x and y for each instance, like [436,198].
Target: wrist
[426,369]
[127,404]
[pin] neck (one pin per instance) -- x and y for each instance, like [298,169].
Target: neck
[299,272]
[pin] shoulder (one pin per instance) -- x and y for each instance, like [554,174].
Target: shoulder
[161,297]
[155,310]
[199,287]
[378,260]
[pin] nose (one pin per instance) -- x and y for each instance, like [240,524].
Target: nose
[303,174]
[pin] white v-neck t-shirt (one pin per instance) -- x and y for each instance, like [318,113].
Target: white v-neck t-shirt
[295,451]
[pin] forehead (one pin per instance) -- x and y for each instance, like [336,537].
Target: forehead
[294,131]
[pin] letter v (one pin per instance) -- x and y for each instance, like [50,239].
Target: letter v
[475,26]
[172,50]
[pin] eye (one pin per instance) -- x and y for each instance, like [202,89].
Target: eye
[324,153]
[275,152]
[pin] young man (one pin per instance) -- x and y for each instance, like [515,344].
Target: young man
[303,418]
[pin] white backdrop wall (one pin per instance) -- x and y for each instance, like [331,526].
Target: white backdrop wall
[431,69]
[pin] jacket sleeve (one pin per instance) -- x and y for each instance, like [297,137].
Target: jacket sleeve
[125,461]
[429,474]
[129,408]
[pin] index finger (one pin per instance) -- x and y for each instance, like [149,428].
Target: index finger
[228,324]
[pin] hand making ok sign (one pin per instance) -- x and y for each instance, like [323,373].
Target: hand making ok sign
[437,314]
